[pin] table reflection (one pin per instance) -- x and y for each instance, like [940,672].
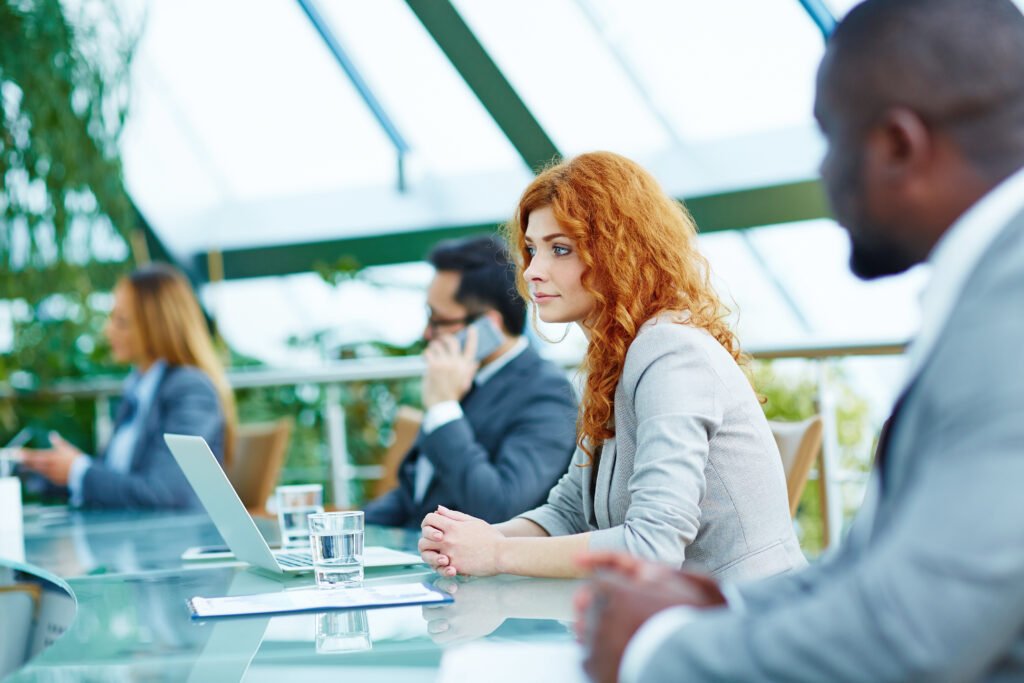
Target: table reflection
[133,623]
[483,606]
[340,632]
[73,543]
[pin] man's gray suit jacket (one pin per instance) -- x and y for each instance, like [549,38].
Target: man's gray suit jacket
[502,457]
[931,589]
[184,403]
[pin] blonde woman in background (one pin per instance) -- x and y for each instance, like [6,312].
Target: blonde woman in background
[177,385]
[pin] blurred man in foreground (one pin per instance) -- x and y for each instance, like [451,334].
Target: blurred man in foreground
[922,104]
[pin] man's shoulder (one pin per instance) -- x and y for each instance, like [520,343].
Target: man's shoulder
[529,374]
[532,363]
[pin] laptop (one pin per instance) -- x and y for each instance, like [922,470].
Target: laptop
[234,523]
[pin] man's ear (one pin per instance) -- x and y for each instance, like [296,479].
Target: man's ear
[902,146]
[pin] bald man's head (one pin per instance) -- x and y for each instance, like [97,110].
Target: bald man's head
[959,64]
[922,104]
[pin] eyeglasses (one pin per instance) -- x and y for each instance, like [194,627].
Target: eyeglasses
[433,324]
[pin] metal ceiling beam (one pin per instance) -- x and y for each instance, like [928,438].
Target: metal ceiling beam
[341,56]
[723,211]
[821,15]
[484,78]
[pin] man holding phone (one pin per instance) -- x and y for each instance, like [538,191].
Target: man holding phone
[500,422]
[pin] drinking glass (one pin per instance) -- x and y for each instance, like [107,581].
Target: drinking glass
[337,540]
[294,504]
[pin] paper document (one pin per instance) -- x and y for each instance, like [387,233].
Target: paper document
[314,599]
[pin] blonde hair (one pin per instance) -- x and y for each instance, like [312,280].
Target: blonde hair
[171,327]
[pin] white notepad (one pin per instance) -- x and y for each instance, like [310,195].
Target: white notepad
[314,599]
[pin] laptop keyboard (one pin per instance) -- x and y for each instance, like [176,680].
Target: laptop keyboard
[294,560]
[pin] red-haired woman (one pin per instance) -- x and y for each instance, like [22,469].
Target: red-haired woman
[675,460]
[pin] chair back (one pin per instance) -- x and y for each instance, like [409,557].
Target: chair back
[406,426]
[799,444]
[260,449]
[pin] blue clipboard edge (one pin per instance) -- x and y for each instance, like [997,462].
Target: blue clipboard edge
[446,598]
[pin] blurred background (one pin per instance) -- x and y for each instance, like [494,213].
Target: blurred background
[298,158]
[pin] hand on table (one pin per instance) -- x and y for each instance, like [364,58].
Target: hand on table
[624,593]
[456,543]
[54,463]
[450,369]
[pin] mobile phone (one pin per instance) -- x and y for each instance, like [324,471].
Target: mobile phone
[488,337]
[20,439]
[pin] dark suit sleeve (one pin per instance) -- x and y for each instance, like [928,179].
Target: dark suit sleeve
[390,509]
[187,404]
[532,455]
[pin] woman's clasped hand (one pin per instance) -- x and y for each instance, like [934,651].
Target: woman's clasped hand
[455,543]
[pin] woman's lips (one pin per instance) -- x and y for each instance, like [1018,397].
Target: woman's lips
[541,298]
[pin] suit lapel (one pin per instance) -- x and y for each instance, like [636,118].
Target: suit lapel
[588,494]
[889,466]
[885,440]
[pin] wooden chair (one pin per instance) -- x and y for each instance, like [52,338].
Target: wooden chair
[260,449]
[406,426]
[799,445]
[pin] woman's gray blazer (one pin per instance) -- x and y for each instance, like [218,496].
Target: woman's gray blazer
[692,473]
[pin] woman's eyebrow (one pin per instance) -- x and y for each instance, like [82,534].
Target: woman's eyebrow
[546,238]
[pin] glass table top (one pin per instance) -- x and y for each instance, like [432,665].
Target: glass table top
[132,622]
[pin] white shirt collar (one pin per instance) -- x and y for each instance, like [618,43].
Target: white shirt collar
[491,369]
[955,257]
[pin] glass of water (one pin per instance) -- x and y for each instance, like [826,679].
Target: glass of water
[294,504]
[337,540]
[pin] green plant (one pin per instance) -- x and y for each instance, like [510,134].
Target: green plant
[64,212]
[790,392]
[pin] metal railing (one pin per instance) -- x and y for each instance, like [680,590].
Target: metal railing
[332,375]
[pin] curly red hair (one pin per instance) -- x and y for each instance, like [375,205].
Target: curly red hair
[639,251]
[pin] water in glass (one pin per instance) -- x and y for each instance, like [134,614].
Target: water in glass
[338,558]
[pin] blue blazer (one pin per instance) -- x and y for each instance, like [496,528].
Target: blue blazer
[501,458]
[185,403]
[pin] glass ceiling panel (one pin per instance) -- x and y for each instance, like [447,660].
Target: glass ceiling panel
[247,133]
[448,129]
[716,70]
[690,89]
[235,103]
[562,69]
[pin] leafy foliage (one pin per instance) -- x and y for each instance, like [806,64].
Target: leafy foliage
[791,394]
[64,212]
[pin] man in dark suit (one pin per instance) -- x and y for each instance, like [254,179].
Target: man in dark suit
[922,105]
[497,434]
